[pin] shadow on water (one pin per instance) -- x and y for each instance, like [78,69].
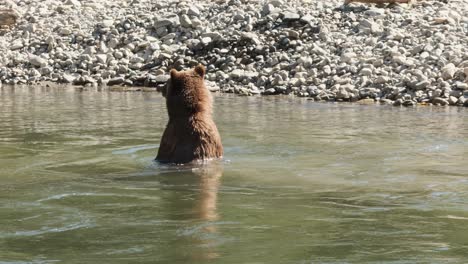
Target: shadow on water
[192,197]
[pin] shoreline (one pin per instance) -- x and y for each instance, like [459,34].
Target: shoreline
[324,51]
[144,89]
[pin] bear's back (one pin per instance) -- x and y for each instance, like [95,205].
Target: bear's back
[191,133]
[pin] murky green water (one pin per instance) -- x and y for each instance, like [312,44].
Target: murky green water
[302,182]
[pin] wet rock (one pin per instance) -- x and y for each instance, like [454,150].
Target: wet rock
[408,103]
[116,81]
[440,101]
[452,100]
[68,78]
[367,101]
[270,91]
[386,101]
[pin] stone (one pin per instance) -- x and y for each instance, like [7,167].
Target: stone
[448,71]
[162,78]
[268,9]
[308,19]
[422,84]
[65,31]
[167,22]
[277,3]
[348,57]
[252,37]
[366,101]
[101,58]
[400,60]
[213,36]
[116,81]
[408,103]
[440,101]
[465,104]
[342,94]
[374,12]
[290,16]
[196,23]
[185,21]
[206,40]
[17,44]
[366,72]
[382,80]
[269,91]
[461,85]
[68,78]
[74,3]
[368,26]
[107,23]
[386,101]
[453,100]
[37,61]
[292,34]
[193,11]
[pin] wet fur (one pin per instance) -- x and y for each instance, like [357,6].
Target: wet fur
[191,134]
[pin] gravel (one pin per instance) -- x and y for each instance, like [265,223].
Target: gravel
[324,50]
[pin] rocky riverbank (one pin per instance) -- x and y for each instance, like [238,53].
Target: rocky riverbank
[324,50]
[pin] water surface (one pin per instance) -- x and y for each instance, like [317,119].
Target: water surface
[301,182]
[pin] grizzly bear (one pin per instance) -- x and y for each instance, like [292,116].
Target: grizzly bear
[190,134]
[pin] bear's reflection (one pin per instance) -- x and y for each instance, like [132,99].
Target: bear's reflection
[193,200]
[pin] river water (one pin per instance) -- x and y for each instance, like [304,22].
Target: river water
[301,182]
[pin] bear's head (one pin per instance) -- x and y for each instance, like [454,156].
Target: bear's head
[186,93]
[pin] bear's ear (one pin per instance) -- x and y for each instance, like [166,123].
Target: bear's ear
[200,70]
[173,74]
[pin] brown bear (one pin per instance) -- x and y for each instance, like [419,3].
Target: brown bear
[191,134]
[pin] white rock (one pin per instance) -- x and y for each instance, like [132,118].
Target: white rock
[206,40]
[101,58]
[348,57]
[382,80]
[196,23]
[276,3]
[448,71]
[366,72]
[107,23]
[74,3]
[193,11]
[400,59]
[65,31]
[37,61]
[268,9]
[17,44]
[185,21]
